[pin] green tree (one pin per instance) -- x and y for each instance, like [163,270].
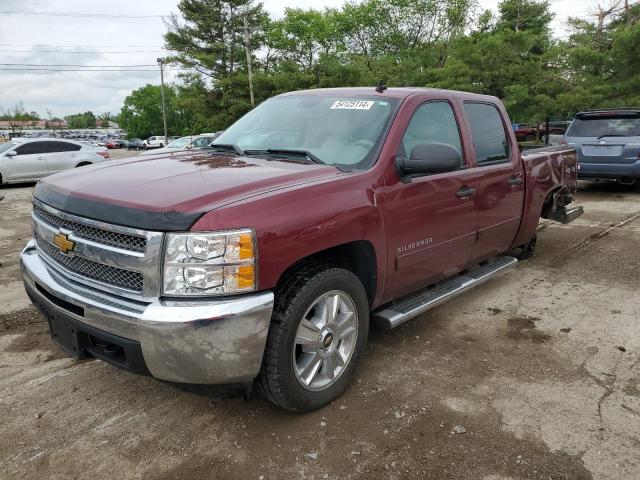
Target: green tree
[141,114]
[81,120]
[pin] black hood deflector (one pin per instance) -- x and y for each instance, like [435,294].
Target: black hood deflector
[117,214]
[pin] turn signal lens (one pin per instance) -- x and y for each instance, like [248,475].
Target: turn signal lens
[239,278]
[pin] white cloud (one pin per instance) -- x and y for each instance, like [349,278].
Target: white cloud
[71,92]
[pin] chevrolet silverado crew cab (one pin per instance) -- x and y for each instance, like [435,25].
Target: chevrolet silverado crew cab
[263,259]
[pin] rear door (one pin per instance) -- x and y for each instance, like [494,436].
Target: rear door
[30,163]
[500,179]
[62,155]
[431,220]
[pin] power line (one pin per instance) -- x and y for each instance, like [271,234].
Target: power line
[72,65]
[69,70]
[75,52]
[75,46]
[46,69]
[79,14]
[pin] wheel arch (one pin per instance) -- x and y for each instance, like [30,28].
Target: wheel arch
[359,257]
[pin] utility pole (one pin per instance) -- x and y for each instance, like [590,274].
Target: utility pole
[246,49]
[164,108]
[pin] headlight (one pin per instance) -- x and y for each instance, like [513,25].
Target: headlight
[219,263]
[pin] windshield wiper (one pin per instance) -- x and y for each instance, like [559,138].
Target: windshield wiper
[226,147]
[285,152]
[611,135]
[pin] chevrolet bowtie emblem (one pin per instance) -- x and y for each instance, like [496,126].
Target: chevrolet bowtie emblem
[62,241]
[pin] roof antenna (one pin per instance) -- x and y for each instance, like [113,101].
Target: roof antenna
[381,87]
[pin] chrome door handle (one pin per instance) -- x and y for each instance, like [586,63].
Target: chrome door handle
[465,192]
[515,181]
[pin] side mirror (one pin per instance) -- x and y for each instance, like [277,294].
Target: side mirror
[429,159]
[11,153]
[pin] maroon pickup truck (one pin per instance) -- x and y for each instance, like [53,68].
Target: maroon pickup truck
[263,259]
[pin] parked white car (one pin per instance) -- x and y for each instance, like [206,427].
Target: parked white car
[154,142]
[29,160]
[184,143]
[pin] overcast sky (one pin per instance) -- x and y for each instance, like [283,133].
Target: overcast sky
[64,40]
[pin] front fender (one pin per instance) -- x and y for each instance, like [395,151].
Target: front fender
[297,222]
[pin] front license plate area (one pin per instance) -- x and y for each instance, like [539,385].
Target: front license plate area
[65,334]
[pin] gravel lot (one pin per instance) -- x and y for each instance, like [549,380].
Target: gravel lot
[540,368]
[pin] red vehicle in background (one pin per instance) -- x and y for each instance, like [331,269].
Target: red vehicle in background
[525,133]
[112,144]
[262,259]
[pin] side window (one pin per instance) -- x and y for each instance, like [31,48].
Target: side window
[62,147]
[433,122]
[487,130]
[31,148]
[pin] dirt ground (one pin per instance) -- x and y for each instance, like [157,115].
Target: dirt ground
[539,370]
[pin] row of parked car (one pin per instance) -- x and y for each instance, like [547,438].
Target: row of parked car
[607,142]
[157,143]
[30,159]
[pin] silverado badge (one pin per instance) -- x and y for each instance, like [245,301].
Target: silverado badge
[62,241]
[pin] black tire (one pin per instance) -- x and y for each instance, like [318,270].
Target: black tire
[527,250]
[530,138]
[83,164]
[277,381]
[161,145]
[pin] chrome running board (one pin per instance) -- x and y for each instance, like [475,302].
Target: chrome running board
[408,307]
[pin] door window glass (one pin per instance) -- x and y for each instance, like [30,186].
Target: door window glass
[31,148]
[487,130]
[56,147]
[433,122]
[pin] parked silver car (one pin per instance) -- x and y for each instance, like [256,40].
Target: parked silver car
[607,142]
[32,159]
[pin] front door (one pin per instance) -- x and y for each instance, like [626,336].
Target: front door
[431,220]
[30,163]
[500,177]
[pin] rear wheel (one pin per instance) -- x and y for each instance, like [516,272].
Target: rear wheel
[527,250]
[318,332]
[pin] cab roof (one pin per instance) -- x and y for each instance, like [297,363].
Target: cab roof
[390,92]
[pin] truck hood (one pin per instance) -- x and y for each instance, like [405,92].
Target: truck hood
[170,192]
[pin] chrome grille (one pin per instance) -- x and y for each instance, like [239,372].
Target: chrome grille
[109,275]
[98,235]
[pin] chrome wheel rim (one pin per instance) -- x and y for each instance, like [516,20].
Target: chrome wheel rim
[325,340]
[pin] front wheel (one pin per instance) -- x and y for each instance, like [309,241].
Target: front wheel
[318,332]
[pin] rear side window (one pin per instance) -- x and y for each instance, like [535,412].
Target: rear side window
[56,147]
[432,122]
[618,126]
[31,148]
[487,130]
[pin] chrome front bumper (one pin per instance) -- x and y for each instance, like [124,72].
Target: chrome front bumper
[187,341]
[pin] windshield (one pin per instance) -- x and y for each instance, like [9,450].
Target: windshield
[7,146]
[337,130]
[602,127]
[179,143]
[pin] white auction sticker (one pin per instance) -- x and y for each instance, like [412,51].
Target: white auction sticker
[352,105]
